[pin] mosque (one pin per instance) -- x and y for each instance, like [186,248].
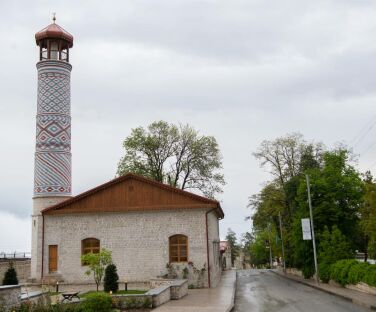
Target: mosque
[145,224]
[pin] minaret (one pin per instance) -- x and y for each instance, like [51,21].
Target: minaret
[52,171]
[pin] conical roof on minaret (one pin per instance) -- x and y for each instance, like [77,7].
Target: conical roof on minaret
[54,31]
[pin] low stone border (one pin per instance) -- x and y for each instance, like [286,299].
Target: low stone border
[132,301]
[10,296]
[363,287]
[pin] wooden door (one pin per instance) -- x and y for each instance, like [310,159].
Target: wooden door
[52,258]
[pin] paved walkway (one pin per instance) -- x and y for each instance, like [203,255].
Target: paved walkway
[357,297]
[219,299]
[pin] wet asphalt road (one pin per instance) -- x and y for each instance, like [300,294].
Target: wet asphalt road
[264,291]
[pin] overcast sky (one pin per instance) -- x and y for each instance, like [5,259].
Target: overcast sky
[242,71]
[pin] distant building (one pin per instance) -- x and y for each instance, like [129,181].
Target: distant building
[145,224]
[225,250]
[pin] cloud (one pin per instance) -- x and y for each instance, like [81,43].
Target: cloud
[243,71]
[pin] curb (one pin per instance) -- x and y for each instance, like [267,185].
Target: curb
[355,301]
[232,305]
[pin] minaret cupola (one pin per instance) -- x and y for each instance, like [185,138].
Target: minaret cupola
[54,42]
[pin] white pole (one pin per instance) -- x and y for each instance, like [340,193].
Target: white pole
[312,229]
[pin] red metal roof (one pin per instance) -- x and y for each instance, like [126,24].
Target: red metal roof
[54,31]
[139,178]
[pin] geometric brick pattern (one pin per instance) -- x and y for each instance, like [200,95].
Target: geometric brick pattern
[52,169]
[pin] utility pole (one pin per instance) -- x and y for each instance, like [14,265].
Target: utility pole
[283,249]
[312,229]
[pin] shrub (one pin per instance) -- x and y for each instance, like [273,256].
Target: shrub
[340,270]
[370,276]
[96,302]
[333,246]
[308,271]
[10,277]
[358,272]
[324,271]
[111,278]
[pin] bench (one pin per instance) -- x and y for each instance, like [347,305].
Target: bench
[70,295]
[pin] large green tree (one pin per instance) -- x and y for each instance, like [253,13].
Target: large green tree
[176,155]
[337,196]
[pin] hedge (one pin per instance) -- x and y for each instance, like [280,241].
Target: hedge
[348,271]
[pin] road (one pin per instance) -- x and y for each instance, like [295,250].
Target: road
[264,291]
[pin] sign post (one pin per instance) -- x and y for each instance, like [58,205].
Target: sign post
[312,228]
[306,228]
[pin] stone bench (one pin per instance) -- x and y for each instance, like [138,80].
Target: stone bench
[160,295]
[10,296]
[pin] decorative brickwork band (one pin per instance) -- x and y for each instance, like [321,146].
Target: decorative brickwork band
[52,175]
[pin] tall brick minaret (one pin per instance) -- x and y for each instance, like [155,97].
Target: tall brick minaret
[52,171]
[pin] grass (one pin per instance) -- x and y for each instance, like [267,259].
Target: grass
[119,292]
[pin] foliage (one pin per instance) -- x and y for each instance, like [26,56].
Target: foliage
[339,198]
[98,302]
[111,278]
[97,263]
[10,276]
[333,247]
[352,272]
[246,242]
[232,241]
[177,155]
[258,250]
[341,269]
[337,195]
[185,273]
[368,214]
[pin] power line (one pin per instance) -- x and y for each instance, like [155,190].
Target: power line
[360,133]
[368,148]
[364,135]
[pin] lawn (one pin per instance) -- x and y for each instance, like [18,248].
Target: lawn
[119,292]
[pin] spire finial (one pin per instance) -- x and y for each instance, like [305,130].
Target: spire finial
[54,17]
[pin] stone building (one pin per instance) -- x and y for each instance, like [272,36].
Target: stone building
[225,251]
[148,226]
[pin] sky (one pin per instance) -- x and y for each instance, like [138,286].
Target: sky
[241,71]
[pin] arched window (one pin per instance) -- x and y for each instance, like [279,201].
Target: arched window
[178,248]
[90,245]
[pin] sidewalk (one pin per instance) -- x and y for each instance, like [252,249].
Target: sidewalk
[219,299]
[357,297]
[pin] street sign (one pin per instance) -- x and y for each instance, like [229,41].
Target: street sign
[306,228]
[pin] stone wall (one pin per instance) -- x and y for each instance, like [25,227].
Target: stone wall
[139,241]
[215,266]
[9,296]
[22,267]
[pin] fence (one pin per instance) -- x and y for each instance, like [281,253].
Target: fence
[15,255]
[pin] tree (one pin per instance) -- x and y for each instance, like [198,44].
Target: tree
[259,248]
[232,241]
[176,155]
[10,277]
[97,263]
[111,278]
[368,216]
[333,247]
[337,195]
